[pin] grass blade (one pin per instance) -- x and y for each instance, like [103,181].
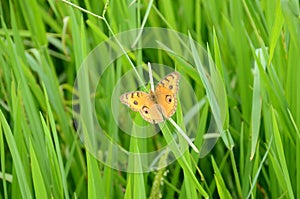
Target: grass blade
[281,156]
[223,191]
[23,181]
[39,185]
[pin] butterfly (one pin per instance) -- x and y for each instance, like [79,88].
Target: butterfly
[156,105]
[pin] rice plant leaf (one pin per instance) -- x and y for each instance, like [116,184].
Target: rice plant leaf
[39,185]
[256,103]
[34,21]
[281,156]
[23,181]
[276,30]
[260,167]
[222,189]
[211,93]
[57,146]
[182,159]
[3,176]
[55,177]
[95,183]
[135,161]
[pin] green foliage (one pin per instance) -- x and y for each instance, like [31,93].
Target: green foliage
[43,44]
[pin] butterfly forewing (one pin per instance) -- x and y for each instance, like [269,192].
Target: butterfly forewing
[142,102]
[134,100]
[170,82]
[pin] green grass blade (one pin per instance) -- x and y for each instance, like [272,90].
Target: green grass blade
[223,191]
[281,156]
[212,90]
[259,168]
[39,185]
[3,170]
[57,148]
[236,174]
[95,183]
[23,181]
[256,104]
[276,30]
[34,21]
[183,160]
[55,177]
[45,42]
[138,186]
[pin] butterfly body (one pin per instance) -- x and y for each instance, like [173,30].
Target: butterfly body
[158,104]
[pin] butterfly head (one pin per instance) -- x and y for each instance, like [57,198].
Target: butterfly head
[153,96]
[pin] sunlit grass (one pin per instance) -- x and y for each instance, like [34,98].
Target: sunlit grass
[44,43]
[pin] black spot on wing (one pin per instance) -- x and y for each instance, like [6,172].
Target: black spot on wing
[169,99]
[145,109]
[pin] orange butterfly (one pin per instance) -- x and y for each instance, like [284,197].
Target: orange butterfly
[158,104]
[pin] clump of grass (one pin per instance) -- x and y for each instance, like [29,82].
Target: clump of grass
[44,43]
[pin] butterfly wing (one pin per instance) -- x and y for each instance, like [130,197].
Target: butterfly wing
[166,91]
[134,100]
[143,102]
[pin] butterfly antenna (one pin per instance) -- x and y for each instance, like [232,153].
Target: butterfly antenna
[151,77]
[184,135]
